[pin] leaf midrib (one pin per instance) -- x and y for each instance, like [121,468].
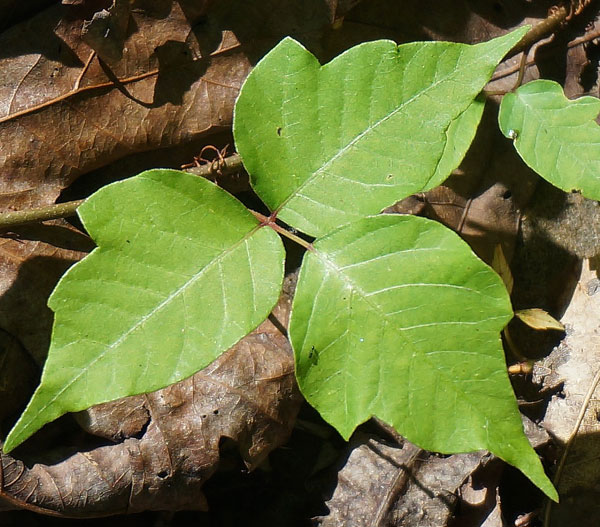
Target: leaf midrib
[552,136]
[363,295]
[110,347]
[372,127]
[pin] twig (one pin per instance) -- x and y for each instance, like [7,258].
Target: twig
[549,25]
[574,43]
[228,165]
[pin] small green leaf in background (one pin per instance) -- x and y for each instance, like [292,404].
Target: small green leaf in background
[182,271]
[374,123]
[556,137]
[406,321]
[537,318]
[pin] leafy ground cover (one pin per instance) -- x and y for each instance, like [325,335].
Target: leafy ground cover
[332,264]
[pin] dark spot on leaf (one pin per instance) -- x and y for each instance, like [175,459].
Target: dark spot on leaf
[279,131]
[215,412]
[389,176]
[162,474]
[203,416]
[127,241]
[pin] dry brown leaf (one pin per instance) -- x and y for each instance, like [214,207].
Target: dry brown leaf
[569,373]
[169,440]
[384,483]
[178,100]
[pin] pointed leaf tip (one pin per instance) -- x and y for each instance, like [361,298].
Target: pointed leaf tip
[182,271]
[305,131]
[395,317]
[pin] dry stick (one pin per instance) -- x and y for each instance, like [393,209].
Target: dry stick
[8,220]
[563,459]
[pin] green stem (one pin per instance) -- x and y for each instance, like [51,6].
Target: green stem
[8,220]
[50,212]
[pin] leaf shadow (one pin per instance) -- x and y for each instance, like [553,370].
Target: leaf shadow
[258,26]
[46,43]
[578,486]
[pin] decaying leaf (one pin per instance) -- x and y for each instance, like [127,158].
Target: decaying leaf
[383,483]
[570,372]
[168,441]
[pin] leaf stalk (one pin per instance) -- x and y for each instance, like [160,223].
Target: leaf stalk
[9,220]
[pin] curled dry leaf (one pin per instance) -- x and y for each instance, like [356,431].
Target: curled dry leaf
[169,440]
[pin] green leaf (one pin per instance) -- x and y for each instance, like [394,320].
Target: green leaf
[459,136]
[537,318]
[182,271]
[556,137]
[373,123]
[395,317]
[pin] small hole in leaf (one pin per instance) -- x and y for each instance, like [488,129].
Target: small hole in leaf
[162,474]
[215,412]
[389,176]
[279,131]
[507,194]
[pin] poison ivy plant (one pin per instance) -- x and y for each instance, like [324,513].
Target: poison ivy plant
[185,275]
[304,131]
[556,137]
[393,316]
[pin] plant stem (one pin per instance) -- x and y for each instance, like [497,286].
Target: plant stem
[545,27]
[50,212]
[229,165]
[270,222]
[8,220]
